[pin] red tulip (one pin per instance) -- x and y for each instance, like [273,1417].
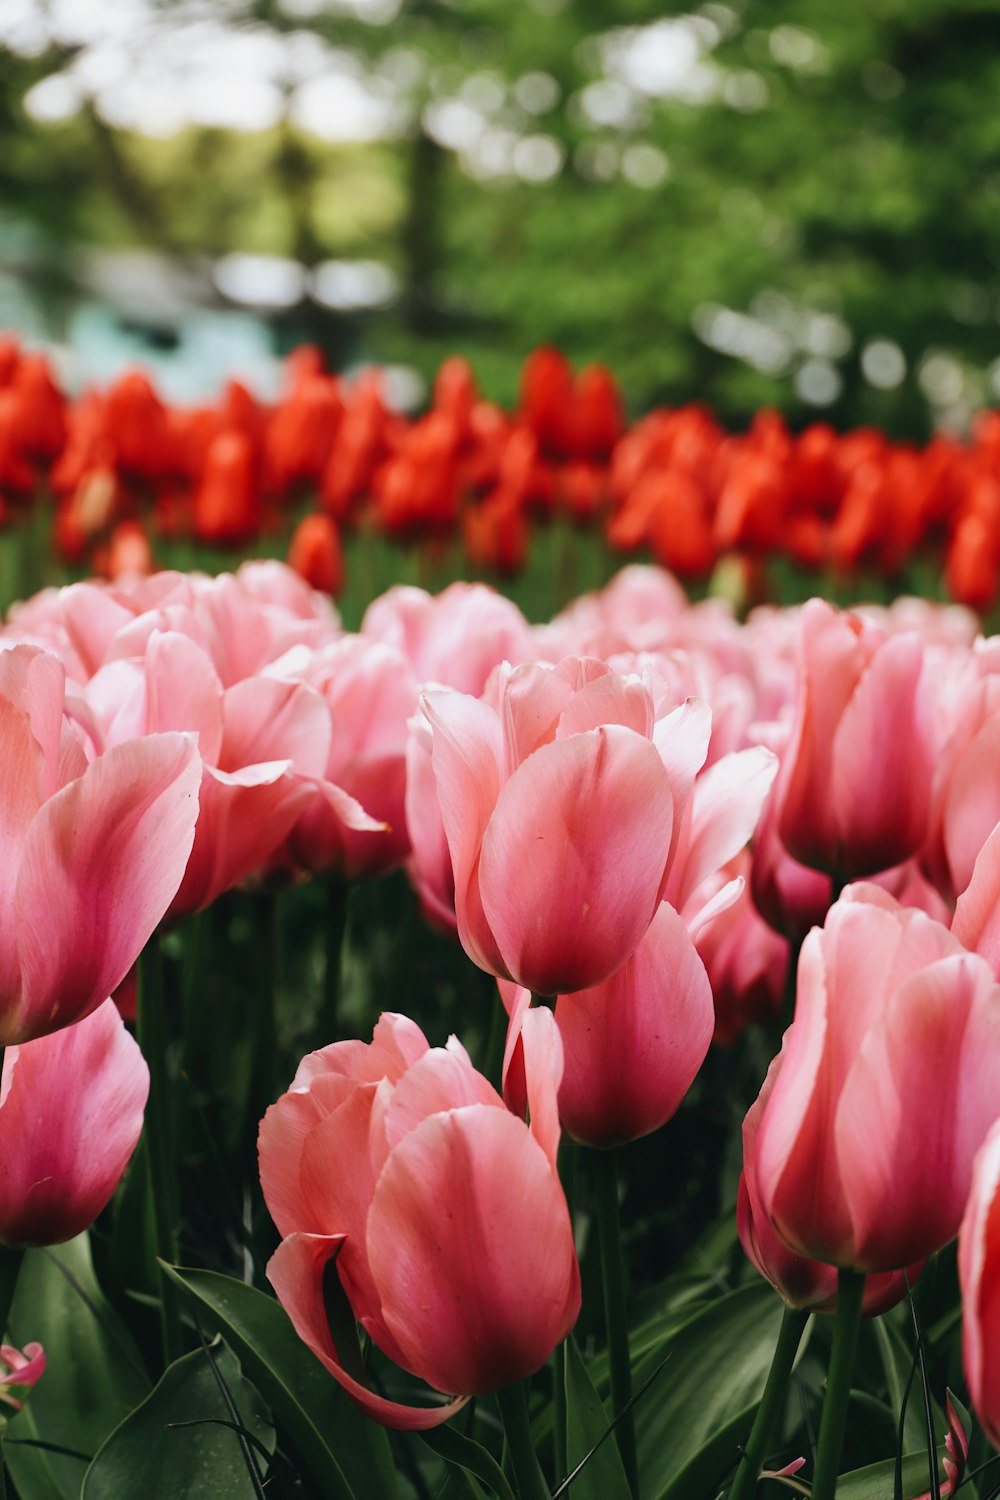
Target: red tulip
[70,1115]
[853,1167]
[442,1212]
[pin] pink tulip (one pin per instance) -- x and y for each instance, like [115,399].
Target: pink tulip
[456,639]
[562,808]
[70,1116]
[370,693]
[442,1212]
[853,1167]
[855,785]
[746,961]
[800,1282]
[23,1372]
[92,853]
[631,1046]
[978,1272]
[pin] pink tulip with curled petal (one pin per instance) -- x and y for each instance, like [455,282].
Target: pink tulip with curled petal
[854,791]
[891,1011]
[71,1110]
[563,808]
[441,1211]
[92,853]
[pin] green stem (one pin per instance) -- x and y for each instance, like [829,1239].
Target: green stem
[615,1319]
[559,1415]
[262,1087]
[513,1404]
[759,1442]
[329,1022]
[850,1293]
[151,1029]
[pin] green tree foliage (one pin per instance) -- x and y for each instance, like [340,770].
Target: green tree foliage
[739,230]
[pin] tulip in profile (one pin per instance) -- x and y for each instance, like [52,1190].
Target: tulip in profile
[854,789]
[442,1212]
[853,1167]
[92,854]
[23,1371]
[70,1115]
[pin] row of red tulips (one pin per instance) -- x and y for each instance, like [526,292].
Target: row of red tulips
[632,817]
[128,468]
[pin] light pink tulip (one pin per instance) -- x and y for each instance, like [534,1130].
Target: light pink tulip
[442,1212]
[562,808]
[800,1282]
[370,693]
[854,789]
[92,854]
[631,1046]
[455,639]
[891,1011]
[71,1109]
[979,1277]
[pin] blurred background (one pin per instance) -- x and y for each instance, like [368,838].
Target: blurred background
[746,204]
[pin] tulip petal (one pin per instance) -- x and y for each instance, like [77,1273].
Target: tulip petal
[573,858]
[725,806]
[471,1248]
[296,1271]
[881,807]
[100,863]
[466,757]
[633,1045]
[976,923]
[88,1083]
[979,1276]
[938,1040]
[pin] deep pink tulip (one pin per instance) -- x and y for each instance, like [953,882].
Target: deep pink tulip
[442,1211]
[891,1011]
[979,1277]
[799,1282]
[631,1045]
[854,789]
[92,854]
[70,1116]
[562,808]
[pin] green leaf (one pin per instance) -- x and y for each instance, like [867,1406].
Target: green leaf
[602,1476]
[876,1480]
[150,1454]
[717,1366]
[347,1455]
[93,1378]
[455,1448]
[703,1472]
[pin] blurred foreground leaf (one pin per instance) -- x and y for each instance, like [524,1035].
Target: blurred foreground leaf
[93,1376]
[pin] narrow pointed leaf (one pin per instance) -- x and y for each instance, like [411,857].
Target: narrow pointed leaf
[466,1453]
[347,1456]
[602,1476]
